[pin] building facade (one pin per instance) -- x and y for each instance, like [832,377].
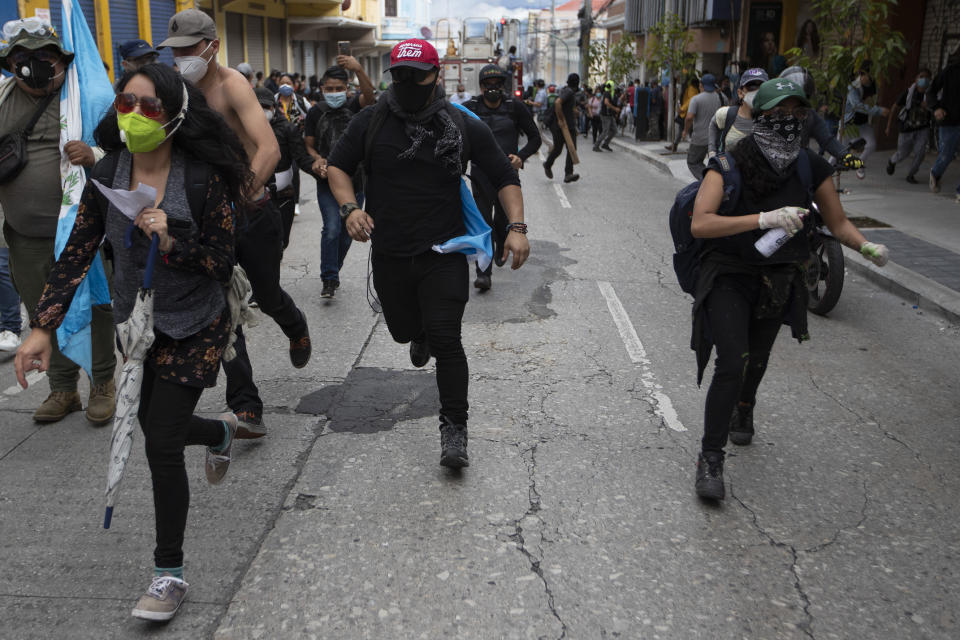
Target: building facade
[290,35]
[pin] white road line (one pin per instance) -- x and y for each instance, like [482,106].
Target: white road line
[663,406]
[32,378]
[560,194]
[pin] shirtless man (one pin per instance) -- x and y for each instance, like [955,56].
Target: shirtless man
[192,35]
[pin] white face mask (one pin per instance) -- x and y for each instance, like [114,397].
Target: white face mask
[193,68]
[748,98]
[269,114]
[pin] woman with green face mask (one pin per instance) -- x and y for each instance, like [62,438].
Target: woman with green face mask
[162,133]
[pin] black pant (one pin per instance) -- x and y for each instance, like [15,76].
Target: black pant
[743,345]
[259,250]
[493,213]
[286,205]
[596,125]
[426,295]
[168,424]
[559,142]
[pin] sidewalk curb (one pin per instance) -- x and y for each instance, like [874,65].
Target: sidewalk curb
[922,292]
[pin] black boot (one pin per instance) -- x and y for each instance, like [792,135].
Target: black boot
[709,482]
[453,444]
[741,424]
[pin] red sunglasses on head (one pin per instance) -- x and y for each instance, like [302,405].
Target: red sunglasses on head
[149,106]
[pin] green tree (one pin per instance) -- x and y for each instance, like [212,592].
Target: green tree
[853,32]
[622,58]
[598,56]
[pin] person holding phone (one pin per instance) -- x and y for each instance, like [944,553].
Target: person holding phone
[161,133]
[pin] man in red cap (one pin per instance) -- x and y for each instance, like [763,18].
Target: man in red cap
[414,146]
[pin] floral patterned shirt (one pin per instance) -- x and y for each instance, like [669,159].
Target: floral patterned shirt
[194,360]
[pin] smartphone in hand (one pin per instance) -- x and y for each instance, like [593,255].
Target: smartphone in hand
[343,47]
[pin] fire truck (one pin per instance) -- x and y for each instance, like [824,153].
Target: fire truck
[471,44]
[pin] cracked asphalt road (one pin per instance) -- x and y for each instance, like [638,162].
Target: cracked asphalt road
[576,518]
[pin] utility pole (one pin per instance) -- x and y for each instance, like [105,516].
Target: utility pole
[586,24]
[671,90]
[553,42]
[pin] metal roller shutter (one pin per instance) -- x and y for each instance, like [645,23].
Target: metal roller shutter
[89,14]
[277,45]
[255,42]
[123,27]
[234,39]
[160,13]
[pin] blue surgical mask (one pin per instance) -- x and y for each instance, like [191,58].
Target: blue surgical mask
[286,90]
[336,100]
[922,83]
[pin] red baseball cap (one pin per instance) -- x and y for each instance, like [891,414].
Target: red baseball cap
[415,53]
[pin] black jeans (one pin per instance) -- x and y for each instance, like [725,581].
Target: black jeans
[488,202]
[286,205]
[743,344]
[558,145]
[596,125]
[259,250]
[425,295]
[168,424]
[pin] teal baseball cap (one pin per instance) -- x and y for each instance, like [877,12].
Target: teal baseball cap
[773,92]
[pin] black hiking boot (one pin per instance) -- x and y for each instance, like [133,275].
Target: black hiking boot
[453,444]
[709,482]
[741,425]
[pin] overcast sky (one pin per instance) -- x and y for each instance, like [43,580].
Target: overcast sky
[492,9]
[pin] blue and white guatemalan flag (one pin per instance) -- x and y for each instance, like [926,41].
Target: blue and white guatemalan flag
[84,99]
[477,239]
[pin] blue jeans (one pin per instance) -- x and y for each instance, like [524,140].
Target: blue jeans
[9,300]
[949,141]
[333,244]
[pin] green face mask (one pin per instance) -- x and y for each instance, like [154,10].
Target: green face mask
[140,133]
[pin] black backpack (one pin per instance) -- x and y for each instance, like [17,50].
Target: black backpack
[687,248]
[381,109]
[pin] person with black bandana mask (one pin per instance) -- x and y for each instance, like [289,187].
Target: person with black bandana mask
[507,119]
[31,203]
[412,145]
[743,296]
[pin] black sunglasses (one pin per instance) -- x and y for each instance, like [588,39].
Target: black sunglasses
[409,74]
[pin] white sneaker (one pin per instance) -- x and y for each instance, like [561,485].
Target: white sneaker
[9,341]
[861,174]
[296,209]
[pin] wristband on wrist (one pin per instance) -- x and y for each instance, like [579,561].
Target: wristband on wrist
[519,227]
[165,255]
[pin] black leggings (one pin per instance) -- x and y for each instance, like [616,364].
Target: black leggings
[425,295]
[743,345]
[168,424]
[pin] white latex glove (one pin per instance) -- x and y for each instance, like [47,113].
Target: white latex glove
[711,155]
[788,218]
[875,253]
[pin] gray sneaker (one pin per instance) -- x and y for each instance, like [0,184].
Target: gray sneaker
[162,599]
[219,461]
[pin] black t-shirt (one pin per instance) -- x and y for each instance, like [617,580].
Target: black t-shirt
[791,193]
[352,107]
[604,109]
[568,98]
[415,203]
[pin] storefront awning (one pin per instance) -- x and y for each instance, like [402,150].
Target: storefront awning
[331,28]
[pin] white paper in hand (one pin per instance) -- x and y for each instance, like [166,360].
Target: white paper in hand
[129,203]
[284,179]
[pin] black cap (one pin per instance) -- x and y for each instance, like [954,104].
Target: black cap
[264,97]
[134,49]
[492,71]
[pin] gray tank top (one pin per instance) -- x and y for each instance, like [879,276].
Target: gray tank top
[183,302]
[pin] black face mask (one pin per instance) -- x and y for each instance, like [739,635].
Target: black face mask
[36,73]
[493,95]
[412,97]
